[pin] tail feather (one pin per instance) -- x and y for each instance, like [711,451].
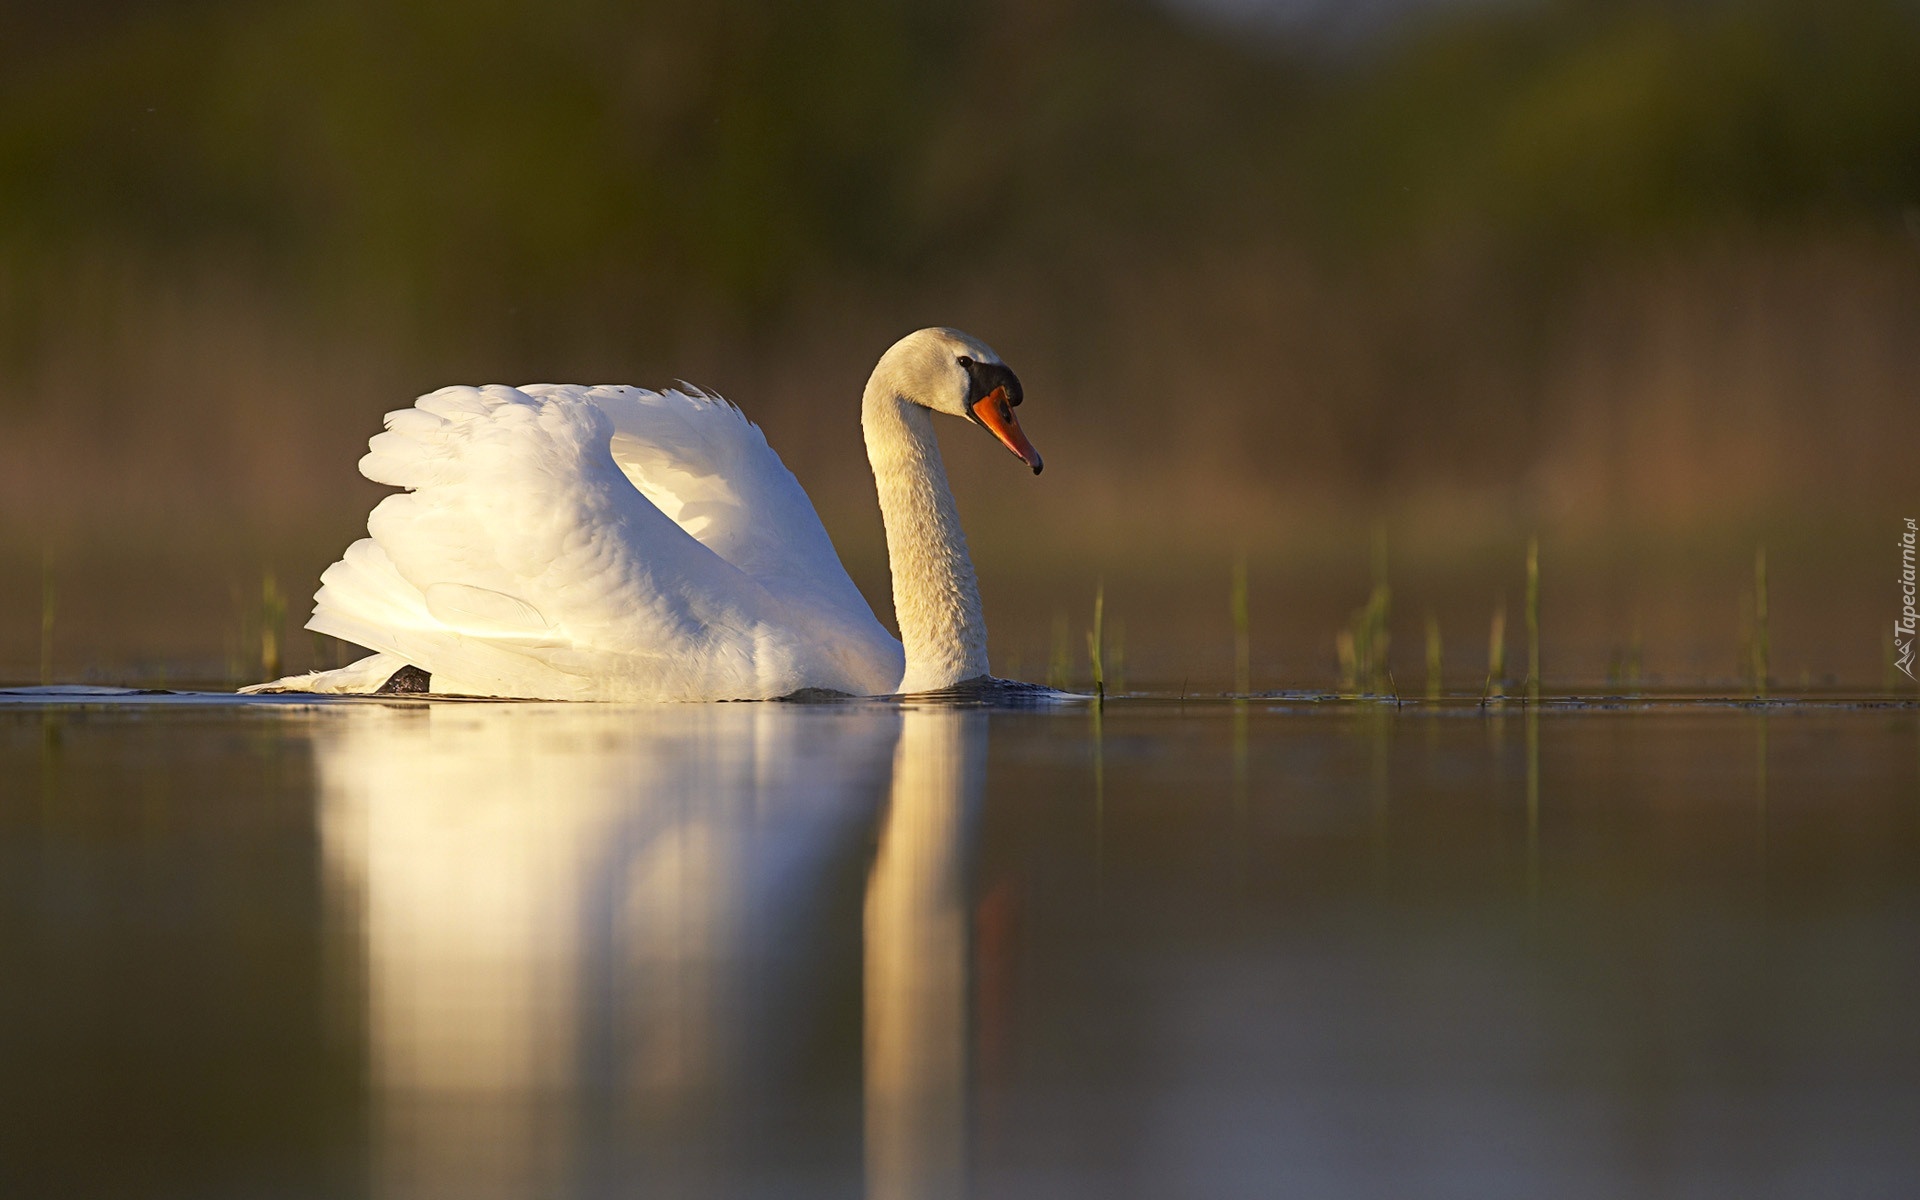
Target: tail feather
[363,599]
[355,679]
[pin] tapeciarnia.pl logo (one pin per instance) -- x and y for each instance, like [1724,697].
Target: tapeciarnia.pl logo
[1903,625]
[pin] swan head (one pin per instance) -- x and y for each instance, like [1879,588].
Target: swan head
[955,373]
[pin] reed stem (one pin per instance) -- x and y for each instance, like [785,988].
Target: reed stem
[1379,608]
[46,618]
[1497,652]
[1095,641]
[1533,620]
[1761,649]
[273,614]
[1433,657]
[1362,645]
[1242,636]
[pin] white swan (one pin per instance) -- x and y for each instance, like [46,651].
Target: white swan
[612,543]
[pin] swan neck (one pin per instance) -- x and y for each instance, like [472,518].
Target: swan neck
[936,598]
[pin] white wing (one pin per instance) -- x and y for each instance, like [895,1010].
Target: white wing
[708,468]
[524,562]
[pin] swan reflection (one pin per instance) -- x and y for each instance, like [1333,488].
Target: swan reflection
[916,959]
[683,945]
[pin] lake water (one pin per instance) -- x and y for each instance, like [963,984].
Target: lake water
[420,948]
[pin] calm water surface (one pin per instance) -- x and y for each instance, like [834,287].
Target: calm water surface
[472,950]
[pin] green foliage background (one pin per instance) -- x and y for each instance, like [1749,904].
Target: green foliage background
[1625,269]
[591,158]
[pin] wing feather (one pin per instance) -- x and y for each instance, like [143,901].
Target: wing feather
[522,561]
[598,543]
[699,459]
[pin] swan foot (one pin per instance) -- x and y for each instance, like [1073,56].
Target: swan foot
[407,681]
[990,692]
[813,695]
[985,691]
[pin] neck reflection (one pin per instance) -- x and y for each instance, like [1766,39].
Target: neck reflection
[917,944]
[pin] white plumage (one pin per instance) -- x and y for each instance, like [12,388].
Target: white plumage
[614,543]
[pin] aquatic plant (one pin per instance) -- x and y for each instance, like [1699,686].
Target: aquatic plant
[1362,645]
[1094,636]
[1623,669]
[1433,657]
[1496,685]
[46,618]
[273,614]
[1242,636]
[1533,620]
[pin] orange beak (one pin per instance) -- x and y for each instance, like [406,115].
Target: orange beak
[996,414]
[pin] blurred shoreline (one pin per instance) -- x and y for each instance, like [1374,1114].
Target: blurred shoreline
[1644,281]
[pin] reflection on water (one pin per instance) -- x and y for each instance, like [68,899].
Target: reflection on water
[557,902]
[916,960]
[422,949]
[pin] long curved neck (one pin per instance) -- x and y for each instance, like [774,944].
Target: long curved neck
[936,599]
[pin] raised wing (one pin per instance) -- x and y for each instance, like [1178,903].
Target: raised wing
[522,561]
[707,467]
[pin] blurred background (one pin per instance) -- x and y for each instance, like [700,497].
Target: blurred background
[1353,293]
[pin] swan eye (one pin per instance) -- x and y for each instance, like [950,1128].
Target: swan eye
[964,361]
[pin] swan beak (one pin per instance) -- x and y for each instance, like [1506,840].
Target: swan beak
[996,414]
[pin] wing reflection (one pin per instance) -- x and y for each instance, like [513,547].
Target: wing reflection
[613,947]
[598,942]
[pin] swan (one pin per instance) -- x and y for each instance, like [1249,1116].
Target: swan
[564,542]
